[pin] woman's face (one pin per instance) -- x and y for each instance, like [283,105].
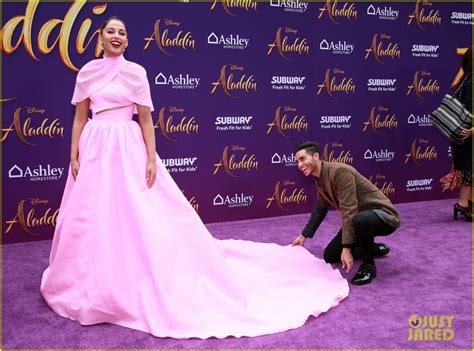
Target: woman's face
[114,38]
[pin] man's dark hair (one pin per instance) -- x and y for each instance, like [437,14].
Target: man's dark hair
[311,147]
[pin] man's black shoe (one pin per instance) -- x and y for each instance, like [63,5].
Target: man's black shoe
[380,249]
[365,275]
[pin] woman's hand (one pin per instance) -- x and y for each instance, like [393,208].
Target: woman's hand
[150,173]
[466,133]
[75,168]
[299,240]
[148,132]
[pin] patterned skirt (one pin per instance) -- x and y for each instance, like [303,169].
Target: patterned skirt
[455,178]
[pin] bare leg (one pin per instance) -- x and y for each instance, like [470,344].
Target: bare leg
[464,195]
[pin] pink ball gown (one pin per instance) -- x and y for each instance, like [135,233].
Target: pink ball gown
[142,258]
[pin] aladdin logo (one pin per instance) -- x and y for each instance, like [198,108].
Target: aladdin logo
[180,165]
[420,16]
[233,123]
[425,50]
[286,193]
[331,85]
[461,18]
[383,13]
[236,200]
[382,155]
[45,42]
[290,5]
[194,203]
[183,40]
[333,12]
[375,84]
[430,328]
[28,218]
[419,184]
[287,160]
[339,48]
[232,164]
[422,121]
[288,83]
[377,122]
[229,42]
[178,82]
[418,152]
[186,125]
[228,85]
[378,50]
[333,152]
[419,86]
[36,174]
[282,124]
[333,122]
[230,5]
[387,188]
[47,128]
[299,45]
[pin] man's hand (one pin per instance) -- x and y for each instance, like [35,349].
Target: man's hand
[299,240]
[346,259]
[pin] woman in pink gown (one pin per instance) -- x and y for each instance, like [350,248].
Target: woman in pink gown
[128,248]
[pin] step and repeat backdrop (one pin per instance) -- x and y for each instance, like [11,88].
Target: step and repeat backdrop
[236,86]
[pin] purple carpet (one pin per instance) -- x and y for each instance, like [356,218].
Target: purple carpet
[428,272]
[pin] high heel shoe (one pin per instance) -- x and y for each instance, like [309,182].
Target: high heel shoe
[465,211]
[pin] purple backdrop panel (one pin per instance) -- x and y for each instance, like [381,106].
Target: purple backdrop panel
[236,86]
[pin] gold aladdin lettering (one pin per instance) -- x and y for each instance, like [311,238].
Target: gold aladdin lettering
[228,85]
[43,38]
[419,86]
[330,84]
[187,125]
[194,204]
[299,46]
[183,40]
[343,157]
[419,16]
[230,164]
[392,50]
[281,198]
[416,153]
[387,188]
[375,121]
[49,128]
[31,220]
[242,4]
[298,123]
[348,11]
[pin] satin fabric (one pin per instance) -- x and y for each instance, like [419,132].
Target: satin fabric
[142,258]
[129,79]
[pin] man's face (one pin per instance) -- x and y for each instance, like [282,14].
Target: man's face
[306,162]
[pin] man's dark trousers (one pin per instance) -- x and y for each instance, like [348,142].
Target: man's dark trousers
[367,226]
